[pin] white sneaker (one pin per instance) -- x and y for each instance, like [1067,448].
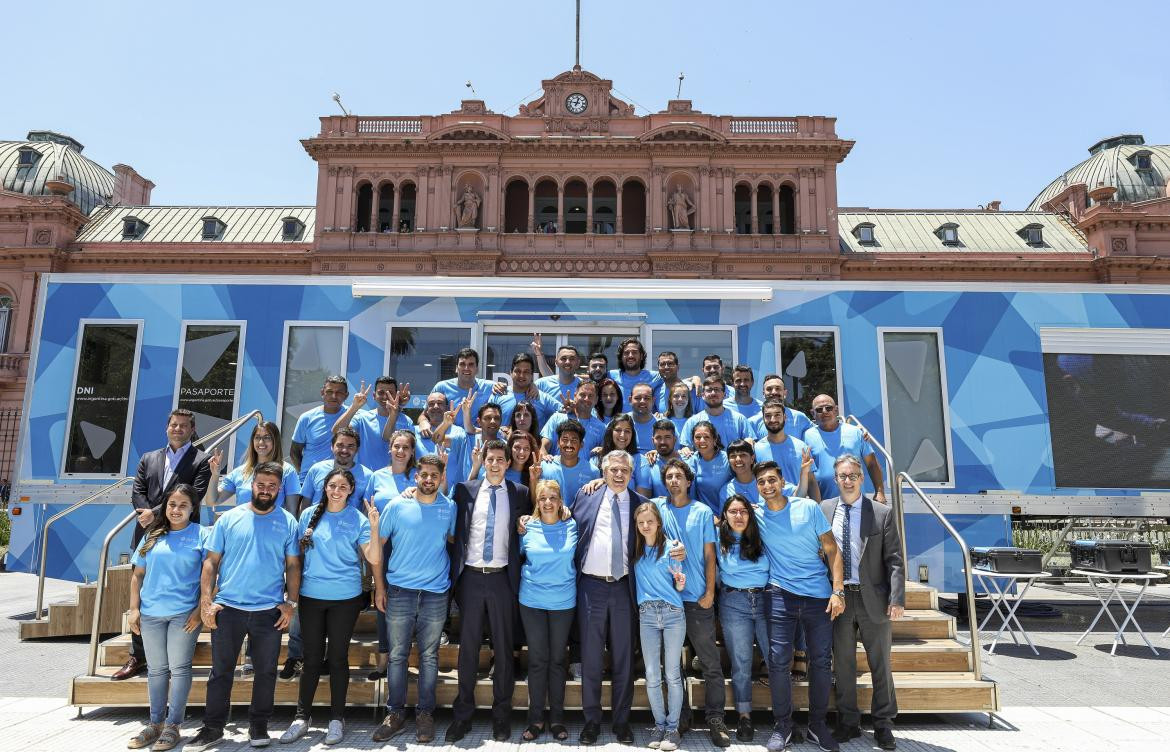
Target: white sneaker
[335,733]
[299,728]
[575,671]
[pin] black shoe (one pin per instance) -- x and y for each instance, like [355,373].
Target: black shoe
[623,732]
[501,729]
[258,734]
[845,733]
[745,731]
[204,739]
[391,726]
[589,733]
[720,736]
[884,738]
[457,730]
[822,737]
[292,668]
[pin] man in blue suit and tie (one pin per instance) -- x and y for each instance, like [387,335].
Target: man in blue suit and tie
[606,593]
[485,568]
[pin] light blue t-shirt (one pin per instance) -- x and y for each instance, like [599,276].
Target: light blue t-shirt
[635,471]
[418,538]
[544,405]
[548,578]
[315,431]
[333,565]
[748,411]
[711,477]
[482,394]
[385,486]
[696,524]
[827,446]
[792,540]
[173,567]
[787,454]
[751,491]
[644,432]
[653,578]
[254,547]
[650,477]
[736,571]
[795,423]
[594,432]
[552,386]
[374,451]
[240,485]
[570,478]
[314,483]
[628,382]
[729,424]
[458,453]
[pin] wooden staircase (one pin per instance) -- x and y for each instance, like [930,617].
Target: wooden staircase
[75,618]
[932,671]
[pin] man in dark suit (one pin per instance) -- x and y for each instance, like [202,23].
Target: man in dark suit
[875,594]
[158,472]
[485,568]
[606,594]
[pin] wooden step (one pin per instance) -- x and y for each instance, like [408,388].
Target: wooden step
[75,618]
[917,692]
[921,597]
[102,691]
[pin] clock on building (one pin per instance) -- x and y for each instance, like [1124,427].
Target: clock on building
[576,103]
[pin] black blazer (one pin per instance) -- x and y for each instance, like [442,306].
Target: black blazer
[148,491]
[519,504]
[585,508]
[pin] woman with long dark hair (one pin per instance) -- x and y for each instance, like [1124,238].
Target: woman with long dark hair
[709,461]
[263,446]
[524,418]
[333,532]
[619,434]
[609,400]
[164,609]
[743,575]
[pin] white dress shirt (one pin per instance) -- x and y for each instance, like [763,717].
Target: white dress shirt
[598,557]
[174,457]
[479,517]
[854,543]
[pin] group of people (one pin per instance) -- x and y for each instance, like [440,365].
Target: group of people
[616,514]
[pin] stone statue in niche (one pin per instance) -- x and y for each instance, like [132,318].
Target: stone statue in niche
[467,208]
[681,208]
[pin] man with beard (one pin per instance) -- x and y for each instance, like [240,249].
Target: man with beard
[524,389]
[633,369]
[564,382]
[668,372]
[314,430]
[796,421]
[832,437]
[731,425]
[641,407]
[789,452]
[649,482]
[583,403]
[374,427]
[742,380]
[598,367]
[250,585]
[418,572]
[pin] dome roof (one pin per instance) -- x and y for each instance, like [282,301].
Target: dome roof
[1116,162]
[56,156]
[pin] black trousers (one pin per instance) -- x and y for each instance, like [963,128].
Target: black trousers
[548,637]
[335,621]
[605,611]
[485,597]
[232,625]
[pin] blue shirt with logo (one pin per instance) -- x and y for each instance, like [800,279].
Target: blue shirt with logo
[653,579]
[787,454]
[711,477]
[254,547]
[548,577]
[374,451]
[333,565]
[696,525]
[418,537]
[314,430]
[386,485]
[173,567]
[314,484]
[792,540]
[240,485]
[738,572]
[570,478]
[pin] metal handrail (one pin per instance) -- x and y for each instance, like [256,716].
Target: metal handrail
[227,428]
[972,621]
[45,538]
[895,486]
[220,435]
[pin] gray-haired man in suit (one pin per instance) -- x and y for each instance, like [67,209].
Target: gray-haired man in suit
[875,594]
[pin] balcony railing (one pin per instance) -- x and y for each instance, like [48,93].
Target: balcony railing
[13,366]
[762,126]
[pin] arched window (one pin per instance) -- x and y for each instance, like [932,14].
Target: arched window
[5,319]
[365,201]
[604,207]
[764,209]
[385,207]
[787,210]
[633,207]
[743,209]
[516,206]
[576,197]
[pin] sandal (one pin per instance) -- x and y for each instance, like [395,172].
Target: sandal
[559,732]
[532,733]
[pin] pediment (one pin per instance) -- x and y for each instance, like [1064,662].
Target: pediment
[469,132]
[683,133]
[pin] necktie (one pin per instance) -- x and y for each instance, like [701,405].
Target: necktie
[490,533]
[617,546]
[847,542]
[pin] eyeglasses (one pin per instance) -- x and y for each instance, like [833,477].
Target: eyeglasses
[737,512]
[849,476]
[824,409]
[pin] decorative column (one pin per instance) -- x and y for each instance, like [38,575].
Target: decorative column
[394,215]
[331,198]
[822,209]
[755,211]
[619,227]
[345,190]
[589,209]
[706,210]
[422,201]
[375,202]
[560,208]
[775,209]
[803,201]
[491,203]
[531,207]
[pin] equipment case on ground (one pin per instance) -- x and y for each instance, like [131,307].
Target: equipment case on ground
[1006,559]
[1112,556]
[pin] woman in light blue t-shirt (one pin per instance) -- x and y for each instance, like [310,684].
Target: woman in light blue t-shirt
[164,609]
[263,446]
[662,623]
[548,599]
[335,537]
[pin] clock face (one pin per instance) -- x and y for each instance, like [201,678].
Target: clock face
[576,103]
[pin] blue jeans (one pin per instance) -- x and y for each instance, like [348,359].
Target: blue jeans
[786,610]
[296,647]
[417,614]
[168,656]
[663,628]
[745,623]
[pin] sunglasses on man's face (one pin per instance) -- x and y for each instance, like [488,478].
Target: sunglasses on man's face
[824,409]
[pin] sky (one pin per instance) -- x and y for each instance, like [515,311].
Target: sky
[951,104]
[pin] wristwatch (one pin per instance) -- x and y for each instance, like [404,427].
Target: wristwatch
[839,593]
[290,603]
